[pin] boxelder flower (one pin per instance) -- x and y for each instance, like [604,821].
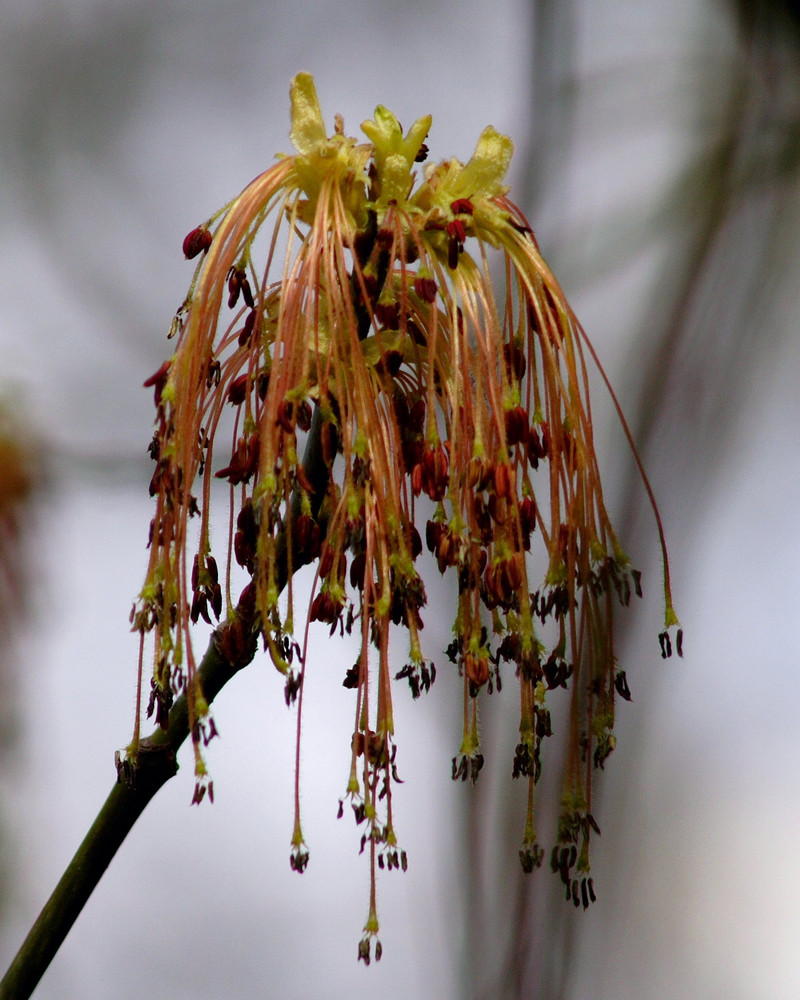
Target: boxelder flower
[403,317]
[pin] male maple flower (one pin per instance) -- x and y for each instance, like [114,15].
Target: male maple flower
[403,317]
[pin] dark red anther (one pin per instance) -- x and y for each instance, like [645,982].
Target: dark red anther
[161,481]
[457,230]
[515,361]
[358,568]
[435,476]
[235,639]
[621,684]
[448,549]
[246,608]
[527,519]
[213,374]
[492,596]
[247,294]
[479,474]
[415,541]
[314,541]
[196,242]
[511,575]
[200,607]
[416,480]
[498,508]
[247,330]
[433,532]
[516,420]
[325,608]
[235,277]
[422,154]
[330,560]
[457,233]
[244,461]
[216,600]
[286,416]
[326,557]
[454,248]
[426,288]
[502,581]
[536,449]
[502,480]
[238,389]
[476,668]
[244,548]
[461,206]
[158,380]
[546,441]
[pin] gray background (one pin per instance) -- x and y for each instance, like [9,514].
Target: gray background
[657,157]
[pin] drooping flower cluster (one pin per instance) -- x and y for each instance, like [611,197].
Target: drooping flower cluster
[402,318]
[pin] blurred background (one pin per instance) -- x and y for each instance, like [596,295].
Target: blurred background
[657,154]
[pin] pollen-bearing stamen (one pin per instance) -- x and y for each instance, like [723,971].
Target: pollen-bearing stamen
[350,296]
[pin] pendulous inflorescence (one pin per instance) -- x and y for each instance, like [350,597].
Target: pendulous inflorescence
[398,316]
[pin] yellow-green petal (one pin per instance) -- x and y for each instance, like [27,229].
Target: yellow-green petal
[483,175]
[308,127]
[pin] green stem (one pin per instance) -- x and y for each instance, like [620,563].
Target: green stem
[156,764]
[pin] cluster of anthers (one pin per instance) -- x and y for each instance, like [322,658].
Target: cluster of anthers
[402,320]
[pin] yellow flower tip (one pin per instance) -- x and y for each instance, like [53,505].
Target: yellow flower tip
[384,132]
[488,166]
[319,155]
[308,125]
[386,136]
